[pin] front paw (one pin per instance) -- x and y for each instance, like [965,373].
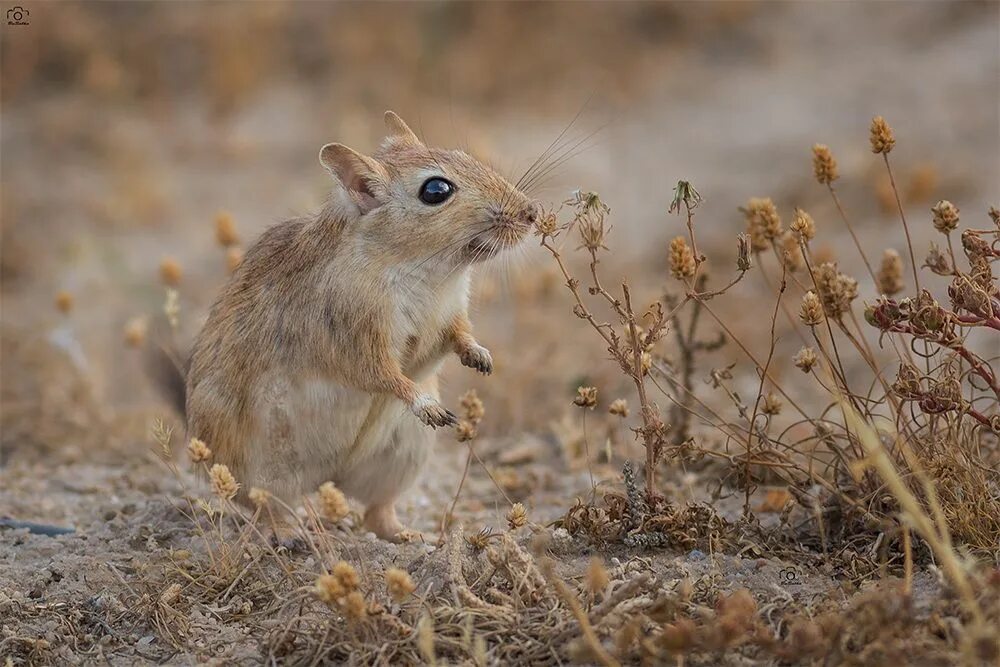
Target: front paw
[431,412]
[477,357]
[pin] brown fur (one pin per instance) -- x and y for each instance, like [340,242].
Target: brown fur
[334,323]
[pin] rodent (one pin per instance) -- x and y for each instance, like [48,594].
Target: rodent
[319,360]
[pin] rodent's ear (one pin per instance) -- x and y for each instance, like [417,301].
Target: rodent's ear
[362,177]
[399,130]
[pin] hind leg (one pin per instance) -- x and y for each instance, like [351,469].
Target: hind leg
[387,473]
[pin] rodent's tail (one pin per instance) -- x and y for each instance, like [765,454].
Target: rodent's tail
[167,368]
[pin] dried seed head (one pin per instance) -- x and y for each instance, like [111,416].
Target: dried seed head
[791,253]
[135,332]
[645,362]
[803,226]
[805,359]
[938,262]
[882,138]
[682,264]
[619,407]
[995,215]
[586,397]
[772,404]
[332,502]
[346,575]
[836,290]
[170,272]
[824,165]
[763,222]
[354,606]
[945,216]
[597,576]
[811,310]
[547,224]
[225,229]
[517,516]
[259,497]
[223,482]
[907,384]
[328,588]
[198,451]
[890,273]
[465,431]
[744,255]
[473,406]
[399,584]
[234,257]
[170,595]
[64,302]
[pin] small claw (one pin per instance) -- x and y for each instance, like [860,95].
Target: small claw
[433,414]
[478,358]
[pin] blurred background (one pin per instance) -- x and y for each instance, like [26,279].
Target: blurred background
[127,127]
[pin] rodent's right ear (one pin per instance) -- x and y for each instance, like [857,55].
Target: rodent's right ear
[362,177]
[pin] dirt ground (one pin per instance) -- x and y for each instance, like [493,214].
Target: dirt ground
[126,127]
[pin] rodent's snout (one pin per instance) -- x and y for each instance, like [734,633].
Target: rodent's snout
[531,212]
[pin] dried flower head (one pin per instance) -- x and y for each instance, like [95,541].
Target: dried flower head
[586,397]
[259,497]
[354,606]
[225,229]
[882,138]
[890,273]
[619,407]
[803,226]
[945,216]
[682,264]
[517,516]
[170,272]
[332,502]
[824,165]
[223,482]
[547,224]
[744,254]
[763,222]
[134,332]
[938,262]
[198,451]
[995,215]
[805,359]
[234,257]
[836,290]
[473,406]
[811,310]
[772,404]
[465,431]
[597,576]
[328,588]
[791,253]
[399,584]
[346,575]
[170,594]
[64,302]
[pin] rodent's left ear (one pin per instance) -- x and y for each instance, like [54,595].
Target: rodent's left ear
[363,177]
[400,131]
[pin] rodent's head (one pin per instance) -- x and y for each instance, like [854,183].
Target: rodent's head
[417,202]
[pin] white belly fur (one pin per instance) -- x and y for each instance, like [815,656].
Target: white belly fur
[314,431]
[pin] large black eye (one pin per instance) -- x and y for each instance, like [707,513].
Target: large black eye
[436,191]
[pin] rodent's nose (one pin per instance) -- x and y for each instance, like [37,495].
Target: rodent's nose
[530,213]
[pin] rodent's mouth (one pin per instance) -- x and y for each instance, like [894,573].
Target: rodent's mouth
[490,243]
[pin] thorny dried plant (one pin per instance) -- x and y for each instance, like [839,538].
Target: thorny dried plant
[937,420]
